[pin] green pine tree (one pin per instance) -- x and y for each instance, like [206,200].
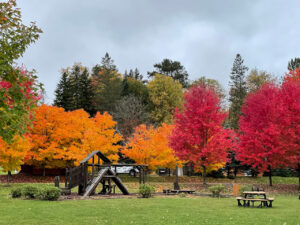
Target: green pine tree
[293,64]
[172,69]
[238,91]
[107,85]
[63,92]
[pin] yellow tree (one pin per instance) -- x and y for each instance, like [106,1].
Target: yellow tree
[63,139]
[165,95]
[12,154]
[151,146]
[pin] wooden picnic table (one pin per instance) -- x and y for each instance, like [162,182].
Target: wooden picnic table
[249,196]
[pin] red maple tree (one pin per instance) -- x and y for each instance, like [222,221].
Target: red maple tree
[198,136]
[270,127]
[290,92]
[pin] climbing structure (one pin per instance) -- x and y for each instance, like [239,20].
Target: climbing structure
[96,169]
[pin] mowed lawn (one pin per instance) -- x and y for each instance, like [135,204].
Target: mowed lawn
[157,210]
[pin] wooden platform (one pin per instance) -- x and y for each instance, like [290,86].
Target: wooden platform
[168,191]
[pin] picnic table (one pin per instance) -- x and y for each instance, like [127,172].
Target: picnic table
[255,196]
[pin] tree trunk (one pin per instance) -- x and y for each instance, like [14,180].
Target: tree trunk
[44,171]
[204,175]
[176,183]
[228,172]
[299,176]
[235,171]
[8,176]
[270,176]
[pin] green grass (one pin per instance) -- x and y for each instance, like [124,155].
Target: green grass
[158,210]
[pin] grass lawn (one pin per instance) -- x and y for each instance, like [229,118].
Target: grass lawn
[158,210]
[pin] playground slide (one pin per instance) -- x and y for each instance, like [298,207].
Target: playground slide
[89,190]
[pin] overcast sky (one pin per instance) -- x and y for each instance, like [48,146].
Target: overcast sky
[203,35]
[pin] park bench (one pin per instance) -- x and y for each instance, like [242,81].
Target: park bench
[263,202]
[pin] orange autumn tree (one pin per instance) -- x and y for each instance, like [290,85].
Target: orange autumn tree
[151,146]
[12,154]
[63,139]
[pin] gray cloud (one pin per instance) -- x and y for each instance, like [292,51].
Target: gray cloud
[203,35]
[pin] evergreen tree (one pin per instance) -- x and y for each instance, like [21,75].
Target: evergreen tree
[108,63]
[86,92]
[75,85]
[74,90]
[172,69]
[63,92]
[293,64]
[238,91]
[134,74]
[107,85]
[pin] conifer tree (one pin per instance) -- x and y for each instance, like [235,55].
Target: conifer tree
[107,85]
[63,92]
[172,69]
[294,64]
[74,90]
[238,91]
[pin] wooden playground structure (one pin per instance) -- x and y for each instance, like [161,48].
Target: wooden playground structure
[96,168]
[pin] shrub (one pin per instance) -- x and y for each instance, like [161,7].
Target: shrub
[182,195]
[49,193]
[216,190]
[244,188]
[16,192]
[146,190]
[30,191]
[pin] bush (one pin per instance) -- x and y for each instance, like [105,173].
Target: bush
[182,195]
[146,190]
[30,191]
[244,188]
[216,190]
[49,193]
[16,192]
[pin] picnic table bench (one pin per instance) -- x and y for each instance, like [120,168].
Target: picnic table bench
[250,196]
[168,191]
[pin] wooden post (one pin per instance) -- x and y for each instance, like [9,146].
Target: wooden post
[140,175]
[66,177]
[56,181]
[93,167]
[98,163]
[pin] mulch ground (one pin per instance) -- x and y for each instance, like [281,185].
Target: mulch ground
[24,178]
[276,189]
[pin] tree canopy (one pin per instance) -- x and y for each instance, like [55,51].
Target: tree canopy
[165,95]
[172,69]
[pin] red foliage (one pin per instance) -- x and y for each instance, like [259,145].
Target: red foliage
[270,127]
[290,93]
[198,135]
[260,127]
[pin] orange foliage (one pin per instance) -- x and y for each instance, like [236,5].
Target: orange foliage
[12,155]
[293,75]
[62,139]
[151,146]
